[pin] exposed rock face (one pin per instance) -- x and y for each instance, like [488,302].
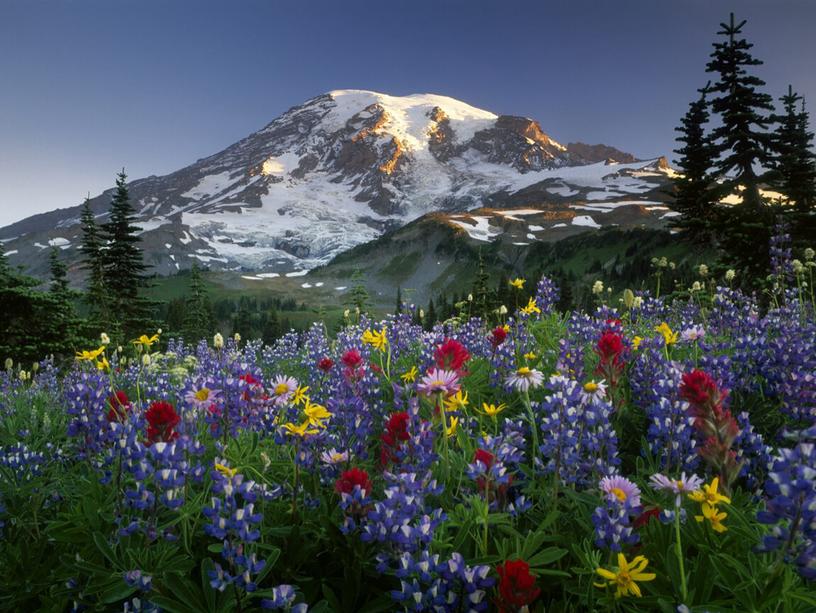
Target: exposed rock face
[589,154]
[331,173]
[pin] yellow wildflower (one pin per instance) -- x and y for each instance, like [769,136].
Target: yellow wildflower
[669,336]
[709,494]
[457,401]
[103,364]
[530,356]
[636,341]
[714,518]
[302,430]
[518,283]
[410,376]
[531,307]
[90,356]
[491,410]
[377,340]
[226,470]
[300,397]
[626,577]
[147,341]
[451,429]
[316,413]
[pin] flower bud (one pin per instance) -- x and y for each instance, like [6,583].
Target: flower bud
[9,363]
[104,339]
[218,341]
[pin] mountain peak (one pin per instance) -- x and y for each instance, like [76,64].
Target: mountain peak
[333,172]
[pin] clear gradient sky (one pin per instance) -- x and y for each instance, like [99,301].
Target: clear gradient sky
[89,86]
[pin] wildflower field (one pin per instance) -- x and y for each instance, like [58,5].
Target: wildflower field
[652,455]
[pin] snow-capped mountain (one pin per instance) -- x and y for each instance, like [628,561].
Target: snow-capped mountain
[339,170]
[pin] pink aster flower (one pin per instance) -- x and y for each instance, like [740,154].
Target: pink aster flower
[622,489]
[201,398]
[282,389]
[438,380]
[525,378]
[694,333]
[332,457]
[678,487]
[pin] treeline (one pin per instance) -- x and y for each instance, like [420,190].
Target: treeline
[747,168]
[635,266]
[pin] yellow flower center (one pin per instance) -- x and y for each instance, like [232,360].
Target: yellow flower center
[524,371]
[590,387]
[619,494]
[202,394]
[623,579]
[281,388]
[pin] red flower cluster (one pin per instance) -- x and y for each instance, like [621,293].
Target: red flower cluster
[325,364]
[610,348]
[250,380]
[451,355]
[349,478]
[698,388]
[352,359]
[498,336]
[161,422]
[485,457]
[396,433]
[645,517]
[118,406]
[516,586]
[715,425]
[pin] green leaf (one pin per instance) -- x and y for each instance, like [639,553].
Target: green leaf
[547,556]
[104,548]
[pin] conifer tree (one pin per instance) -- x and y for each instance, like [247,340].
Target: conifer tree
[795,167]
[123,265]
[398,308]
[92,263]
[358,296]
[199,320]
[430,315]
[68,327]
[694,197]
[741,138]
[481,292]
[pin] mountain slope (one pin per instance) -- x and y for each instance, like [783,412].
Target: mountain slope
[339,170]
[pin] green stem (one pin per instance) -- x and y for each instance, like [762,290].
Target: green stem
[678,550]
[533,429]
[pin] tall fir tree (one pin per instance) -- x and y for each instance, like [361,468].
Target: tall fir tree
[430,315]
[124,267]
[358,296]
[398,307]
[33,323]
[63,309]
[744,150]
[694,193]
[742,140]
[795,167]
[199,320]
[96,297]
[481,291]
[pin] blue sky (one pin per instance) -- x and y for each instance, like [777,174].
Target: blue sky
[152,85]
